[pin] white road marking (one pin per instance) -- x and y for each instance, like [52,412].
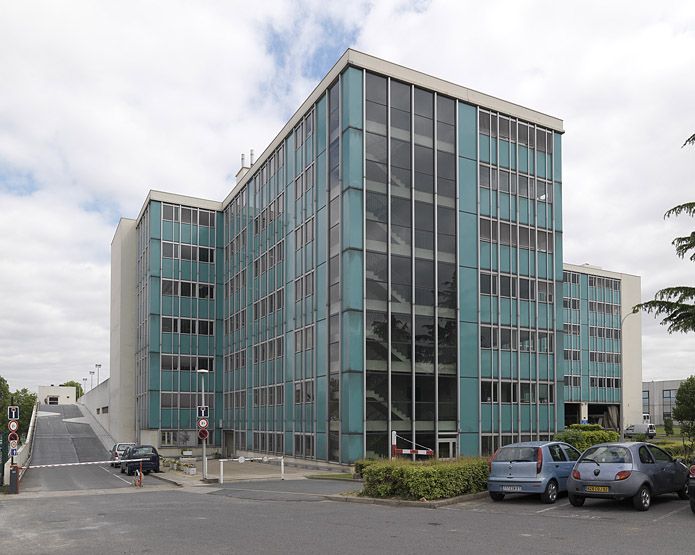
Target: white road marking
[671,513]
[549,508]
[114,475]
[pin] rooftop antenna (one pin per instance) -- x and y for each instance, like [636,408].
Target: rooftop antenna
[243,160]
[252,157]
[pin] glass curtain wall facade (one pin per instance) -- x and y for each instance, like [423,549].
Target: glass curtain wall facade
[592,347]
[392,263]
[180,322]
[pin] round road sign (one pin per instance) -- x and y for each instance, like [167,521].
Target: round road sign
[13,425]
[203,423]
[203,434]
[242,459]
[12,436]
[13,444]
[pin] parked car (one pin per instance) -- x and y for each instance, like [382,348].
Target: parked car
[646,429]
[117,452]
[130,462]
[531,467]
[691,487]
[635,470]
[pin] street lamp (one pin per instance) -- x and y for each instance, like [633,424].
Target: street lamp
[91,381]
[204,371]
[98,367]
[622,377]
[84,389]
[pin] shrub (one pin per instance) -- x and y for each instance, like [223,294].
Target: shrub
[668,426]
[583,439]
[429,480]
[677,450]
[586,427]
[362,464]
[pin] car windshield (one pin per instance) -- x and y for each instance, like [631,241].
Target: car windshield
[516,454]
[607,454]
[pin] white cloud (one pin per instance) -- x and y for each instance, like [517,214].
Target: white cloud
[102,101]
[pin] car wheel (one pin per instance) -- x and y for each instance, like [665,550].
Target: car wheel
[576,500]
[550,494]
[156,470]
[147,472]
[122,470]
[643,499]
[683,492]
[692,505]
[130,471]
[496,496]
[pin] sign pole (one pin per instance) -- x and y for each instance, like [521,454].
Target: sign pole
[205,440]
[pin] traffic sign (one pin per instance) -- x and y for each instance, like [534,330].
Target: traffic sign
[13,425]
[13,436]
[13,452]
[203,423]
[13,412]
[203,411]
[14,444]
[203,433]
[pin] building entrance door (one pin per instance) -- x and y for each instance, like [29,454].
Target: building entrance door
[446,449]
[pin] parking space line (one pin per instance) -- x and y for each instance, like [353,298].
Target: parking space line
[114,475]
[662,517]
[549,509]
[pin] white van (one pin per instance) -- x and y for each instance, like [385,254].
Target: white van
[648,430]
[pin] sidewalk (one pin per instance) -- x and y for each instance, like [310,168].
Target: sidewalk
[233,472]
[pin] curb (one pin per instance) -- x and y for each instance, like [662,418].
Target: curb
[408,503]
[169,480]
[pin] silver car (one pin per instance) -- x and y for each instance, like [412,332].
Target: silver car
[541,467]
[635,470]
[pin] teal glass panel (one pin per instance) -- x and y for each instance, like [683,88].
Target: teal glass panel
[541,164]
[486,363]
[506,212]
[469,401]
[168,418]
[353,157]
[524,211]
[512,158]
[467,130]
[351,447]
[321,127]
[468,239]
[525,418]
[557,157]
[468,186]
[155,219]
[187,270]
[468,293]
[204,236]
[485,308]
[542,269]
[493,151]
[351,407]
[470,350]
[523,159]
[167,230]
[321,180]
[542,216]
[351,101]
[506,364]
[168,342]
[506,424]
[468,444]
[524,366]
[484,142]
[352,282]
[155,256]
[154,332]
[504,154]
[352,219]
[557,204]
[486,414]
[352,341]
[485,255]
[505,311]
[505,258]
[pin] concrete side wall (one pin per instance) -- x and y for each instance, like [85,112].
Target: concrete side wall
[631,294]
[96,400]
[123,331]
[67,395]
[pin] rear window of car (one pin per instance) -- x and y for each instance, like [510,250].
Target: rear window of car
[516,454]
[142,451]
[608,454]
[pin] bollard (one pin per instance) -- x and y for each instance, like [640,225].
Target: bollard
[282,468]
[221,471]
[14,479]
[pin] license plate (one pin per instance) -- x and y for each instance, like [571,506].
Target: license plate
[511,488]
[597,489]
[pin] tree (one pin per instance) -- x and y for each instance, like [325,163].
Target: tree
[76,385]
[25,400]
[684,411]
[4,397]
[676,304]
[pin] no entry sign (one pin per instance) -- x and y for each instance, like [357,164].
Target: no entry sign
[13,425]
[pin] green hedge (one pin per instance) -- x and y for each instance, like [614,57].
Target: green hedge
[430,480]
[586,427]
[676,449]
[362,464]
[583,439]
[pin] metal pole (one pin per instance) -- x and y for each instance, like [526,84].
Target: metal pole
[221,471]
[282,468]
[12,456]
[98,367]
[205,441]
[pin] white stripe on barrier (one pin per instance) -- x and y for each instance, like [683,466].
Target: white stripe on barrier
[81,463]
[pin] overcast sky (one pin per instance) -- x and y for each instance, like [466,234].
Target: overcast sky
[102,101]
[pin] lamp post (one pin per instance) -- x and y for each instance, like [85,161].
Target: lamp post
[91,380]
[204,371]
[84,389]
[622,377]
[98,367]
